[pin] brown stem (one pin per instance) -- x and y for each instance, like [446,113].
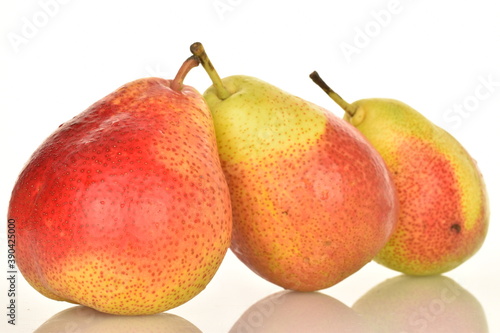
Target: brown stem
[199,51]
[333,95]
[189,63]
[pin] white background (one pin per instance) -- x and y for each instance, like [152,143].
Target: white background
[57,59]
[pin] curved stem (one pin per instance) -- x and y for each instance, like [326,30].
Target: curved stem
[189,63]
[333,95]
[199,51]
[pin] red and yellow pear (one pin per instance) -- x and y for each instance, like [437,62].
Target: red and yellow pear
[125,208]
[444,205]
[312,200]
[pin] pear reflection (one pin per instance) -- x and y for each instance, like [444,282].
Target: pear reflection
[291,311]
[82,319]
[421,304]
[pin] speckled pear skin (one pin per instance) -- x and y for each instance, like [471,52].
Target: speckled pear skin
[444,205]
[312,201]
[125,208]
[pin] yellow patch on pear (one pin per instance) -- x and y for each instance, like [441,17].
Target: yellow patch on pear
[267,130]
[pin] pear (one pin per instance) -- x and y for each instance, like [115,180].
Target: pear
[312,200]
[444,209]
[125,208]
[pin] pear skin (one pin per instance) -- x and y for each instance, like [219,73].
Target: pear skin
[312,200]
[444,208]
[444,205]
[125,208]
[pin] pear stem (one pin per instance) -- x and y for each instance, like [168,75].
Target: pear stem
[189,63]
[333,95]
[199,51]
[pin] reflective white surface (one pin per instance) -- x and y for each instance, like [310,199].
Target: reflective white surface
[372,300]
[58,57]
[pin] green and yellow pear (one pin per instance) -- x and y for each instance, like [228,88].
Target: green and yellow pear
[125,207]
[312,200]
[444,210]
